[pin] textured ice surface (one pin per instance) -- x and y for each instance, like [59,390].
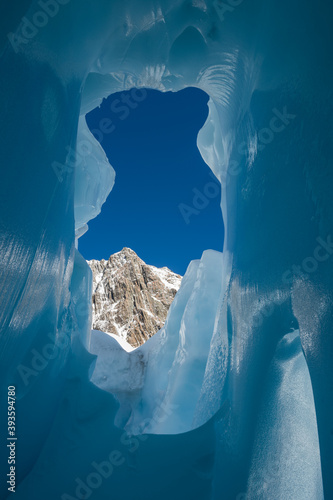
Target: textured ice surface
[266,67]
[94,179]
[279,443]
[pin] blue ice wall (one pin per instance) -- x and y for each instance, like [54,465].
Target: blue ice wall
[266,67]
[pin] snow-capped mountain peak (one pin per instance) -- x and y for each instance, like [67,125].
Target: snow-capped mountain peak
[130,298]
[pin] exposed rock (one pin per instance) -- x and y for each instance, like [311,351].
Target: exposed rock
[130,298]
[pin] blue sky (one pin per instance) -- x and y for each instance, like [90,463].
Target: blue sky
[155,207]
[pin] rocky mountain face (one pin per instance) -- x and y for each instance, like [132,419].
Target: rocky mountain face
[130,298]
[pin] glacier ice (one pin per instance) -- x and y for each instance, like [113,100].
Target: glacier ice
[244,410]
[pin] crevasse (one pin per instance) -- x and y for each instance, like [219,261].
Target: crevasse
[233,397]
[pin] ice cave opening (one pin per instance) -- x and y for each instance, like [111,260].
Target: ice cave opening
[200,293]
[165,205]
